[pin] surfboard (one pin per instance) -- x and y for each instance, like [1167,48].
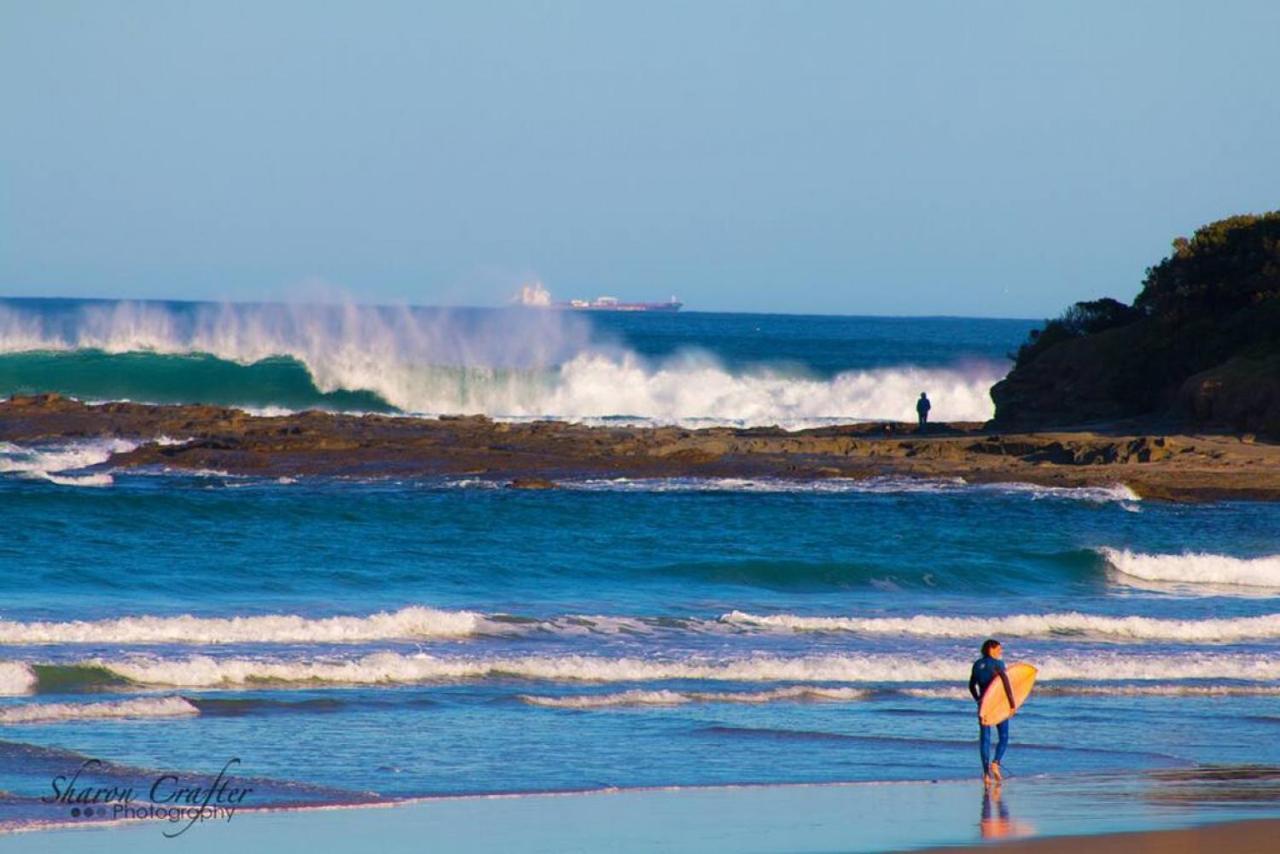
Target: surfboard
[995,703]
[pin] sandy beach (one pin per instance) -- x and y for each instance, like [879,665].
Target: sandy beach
[1246,837]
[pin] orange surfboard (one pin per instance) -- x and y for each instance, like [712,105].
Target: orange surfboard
[995,704]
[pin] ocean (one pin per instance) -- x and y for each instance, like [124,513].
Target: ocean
[358,640]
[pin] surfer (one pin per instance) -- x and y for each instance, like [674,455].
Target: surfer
[985,670]
[922,409]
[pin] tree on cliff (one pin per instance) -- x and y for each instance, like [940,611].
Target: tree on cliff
[1201,341]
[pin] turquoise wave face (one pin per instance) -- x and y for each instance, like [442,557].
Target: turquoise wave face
[188,378]
[699,369]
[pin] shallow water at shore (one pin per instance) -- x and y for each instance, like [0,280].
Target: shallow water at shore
[844,817]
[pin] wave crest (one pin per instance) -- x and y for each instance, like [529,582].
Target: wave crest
[1196,568]
[145,707]
[1027,625]
[56,463]
[407,623]
[398,668]
[676,698]
[501,363]
[417,622]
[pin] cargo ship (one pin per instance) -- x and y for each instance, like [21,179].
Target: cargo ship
[614,304]
[536,296]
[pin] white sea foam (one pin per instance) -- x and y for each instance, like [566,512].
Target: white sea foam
[1096,690]
[517,364]
[417,622]
[875,485]
[407,623]
[1027,625]
[1114,492]
[16,678]
[398,668]
[1164,690]
[792,693]
[1196,568]
[58,463]
[766,485]
[145,707]
[941,692]
[694,389]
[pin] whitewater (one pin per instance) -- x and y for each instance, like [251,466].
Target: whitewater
[504,363]
[416,622]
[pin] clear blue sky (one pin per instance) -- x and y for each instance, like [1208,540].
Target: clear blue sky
[970,158]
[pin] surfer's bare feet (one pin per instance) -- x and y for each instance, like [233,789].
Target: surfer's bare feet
[986,779]
[995,772]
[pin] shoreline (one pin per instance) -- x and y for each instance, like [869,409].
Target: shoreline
[1035,815]
[1169,466]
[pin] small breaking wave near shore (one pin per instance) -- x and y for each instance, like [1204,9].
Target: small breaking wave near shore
[389,668]
[418,622]
[143,707]
[1196,568]
[1072,624]
[676,698]
[407,623]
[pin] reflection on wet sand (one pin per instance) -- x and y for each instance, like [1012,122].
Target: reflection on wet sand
[996,822]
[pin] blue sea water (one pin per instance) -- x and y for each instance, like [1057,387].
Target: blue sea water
[381,639]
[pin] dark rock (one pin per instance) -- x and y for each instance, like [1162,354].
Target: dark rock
[1201,344]
[532,483]
[1242,394]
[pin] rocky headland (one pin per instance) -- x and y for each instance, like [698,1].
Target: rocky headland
[1198,347]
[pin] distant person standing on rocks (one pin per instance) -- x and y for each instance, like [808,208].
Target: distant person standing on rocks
[922,408]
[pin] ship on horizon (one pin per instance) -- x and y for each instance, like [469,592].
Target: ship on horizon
[535,295]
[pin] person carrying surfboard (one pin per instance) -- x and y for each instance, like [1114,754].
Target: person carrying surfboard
[985,670]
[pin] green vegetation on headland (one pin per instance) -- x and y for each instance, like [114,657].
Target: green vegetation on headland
[1200,344]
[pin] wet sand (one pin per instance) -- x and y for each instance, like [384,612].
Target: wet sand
[1045,816]
[1241,837]
[1155,465]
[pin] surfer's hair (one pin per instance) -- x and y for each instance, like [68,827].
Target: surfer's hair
[988,645]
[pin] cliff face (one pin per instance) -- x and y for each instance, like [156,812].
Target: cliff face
[1201,343]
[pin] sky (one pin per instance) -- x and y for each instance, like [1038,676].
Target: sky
[911,158]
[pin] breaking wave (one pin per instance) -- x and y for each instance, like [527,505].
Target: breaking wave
[676,698]
[417,622]
[16,678]
[391,668]
[1072,624]
[1196,568]
[1130,690]
[145,707]
[407,623]
[58,463]
[501,363]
